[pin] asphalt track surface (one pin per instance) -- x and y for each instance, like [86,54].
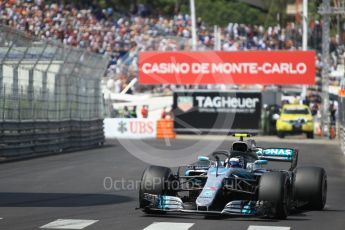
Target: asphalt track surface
[37,192]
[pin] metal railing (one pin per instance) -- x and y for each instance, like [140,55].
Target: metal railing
[50,96]
[341,113]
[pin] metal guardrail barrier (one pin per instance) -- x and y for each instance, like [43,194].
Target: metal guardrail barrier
[342,138]
[341,113]
[50,96]
[28,138]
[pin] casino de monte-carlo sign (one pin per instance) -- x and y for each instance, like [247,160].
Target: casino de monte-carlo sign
[219,67]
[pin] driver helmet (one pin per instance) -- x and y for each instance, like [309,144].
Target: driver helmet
[234,162]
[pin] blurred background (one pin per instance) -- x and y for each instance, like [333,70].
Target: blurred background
[78,60]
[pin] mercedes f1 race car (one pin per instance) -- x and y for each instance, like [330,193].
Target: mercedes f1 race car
[235,182]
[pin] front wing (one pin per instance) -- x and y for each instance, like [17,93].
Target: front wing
[174,204]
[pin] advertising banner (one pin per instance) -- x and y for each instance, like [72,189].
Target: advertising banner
[130,128]
[205,111]
[212,67]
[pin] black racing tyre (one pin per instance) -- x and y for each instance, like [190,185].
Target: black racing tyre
[310,185]
[310,135]
[153,181]
[274,187]
[281,134]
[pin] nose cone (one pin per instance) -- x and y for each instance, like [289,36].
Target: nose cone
[213,185]
[206,197]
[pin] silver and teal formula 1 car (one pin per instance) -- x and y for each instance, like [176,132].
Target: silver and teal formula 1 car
[235,182]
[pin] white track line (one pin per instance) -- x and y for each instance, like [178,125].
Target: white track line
[169,226]
[254,227]
[69,224]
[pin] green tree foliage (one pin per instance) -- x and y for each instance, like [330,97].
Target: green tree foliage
[276,12]
[221,12]
[213,12]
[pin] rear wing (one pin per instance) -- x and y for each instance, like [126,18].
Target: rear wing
[279,154]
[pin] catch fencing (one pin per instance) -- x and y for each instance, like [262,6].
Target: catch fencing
[50,96]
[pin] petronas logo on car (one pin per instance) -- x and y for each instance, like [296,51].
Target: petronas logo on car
[276,151]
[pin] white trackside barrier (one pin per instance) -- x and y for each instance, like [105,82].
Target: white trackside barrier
[130,128]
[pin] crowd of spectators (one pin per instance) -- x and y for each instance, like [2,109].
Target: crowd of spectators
[121,37]
[104,34]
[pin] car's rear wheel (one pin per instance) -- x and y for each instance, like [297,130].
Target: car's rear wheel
[274,188]
[280,134]
[154,181]
[310,185]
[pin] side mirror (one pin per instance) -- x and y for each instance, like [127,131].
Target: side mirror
[203,158]
[275,116]
[261,162]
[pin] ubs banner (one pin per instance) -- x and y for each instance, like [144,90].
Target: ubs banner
[206,111]
[130,128]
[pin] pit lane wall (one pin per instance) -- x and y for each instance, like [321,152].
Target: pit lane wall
[50,97]
[195,112]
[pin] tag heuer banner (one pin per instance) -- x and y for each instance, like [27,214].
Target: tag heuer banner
[219,67]
[205,111]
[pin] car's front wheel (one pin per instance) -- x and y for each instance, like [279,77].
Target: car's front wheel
[274,188]
[310,135]
[154,181]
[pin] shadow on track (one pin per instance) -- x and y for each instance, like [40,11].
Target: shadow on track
[228,218]
[300,215]
[210,218]
[9,199]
